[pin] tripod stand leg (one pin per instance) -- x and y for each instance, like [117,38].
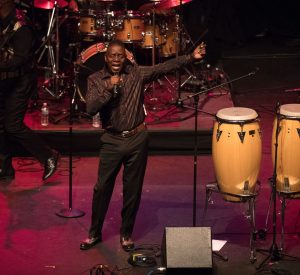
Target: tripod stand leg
[220,256]
[207,198]
[253,230]
[283,205]
[268,214]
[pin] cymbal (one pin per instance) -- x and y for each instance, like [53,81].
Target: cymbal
[153,6]
[169,4]
[49,4]
[162,5]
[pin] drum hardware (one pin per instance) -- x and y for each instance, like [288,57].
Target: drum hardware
[275,254]
[50,41]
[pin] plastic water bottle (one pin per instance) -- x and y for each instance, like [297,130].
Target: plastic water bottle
[45,115]
[96,121]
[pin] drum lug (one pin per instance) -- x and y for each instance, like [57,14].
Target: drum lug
[242,136]
[246,188]
[286,184]
[298,130]
[218,135]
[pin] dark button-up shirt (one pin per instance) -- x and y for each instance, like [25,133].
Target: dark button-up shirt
[126,111]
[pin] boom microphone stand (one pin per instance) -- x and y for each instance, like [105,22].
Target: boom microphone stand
[197,83]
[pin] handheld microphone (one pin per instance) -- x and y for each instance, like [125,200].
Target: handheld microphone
[116,88]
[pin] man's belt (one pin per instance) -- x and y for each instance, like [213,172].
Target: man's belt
[130,133]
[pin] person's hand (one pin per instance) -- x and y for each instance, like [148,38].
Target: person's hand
[115,80]
[200,51]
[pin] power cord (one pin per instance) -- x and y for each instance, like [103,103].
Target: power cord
[144,255]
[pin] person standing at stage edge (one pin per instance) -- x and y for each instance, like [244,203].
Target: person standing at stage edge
[117,93]
[17,83]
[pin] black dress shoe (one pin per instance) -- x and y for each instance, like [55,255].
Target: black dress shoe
[90,242]
[50,165]
[127,243]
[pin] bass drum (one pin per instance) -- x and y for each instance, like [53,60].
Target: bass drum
[92,60]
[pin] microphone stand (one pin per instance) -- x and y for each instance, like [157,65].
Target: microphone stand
[71,212]
[196,83]
[274,252]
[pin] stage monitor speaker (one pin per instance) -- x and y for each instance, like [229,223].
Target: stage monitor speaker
[187,249]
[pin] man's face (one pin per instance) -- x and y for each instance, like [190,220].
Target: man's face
[115,58]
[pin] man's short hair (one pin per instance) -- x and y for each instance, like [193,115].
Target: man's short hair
[115,43]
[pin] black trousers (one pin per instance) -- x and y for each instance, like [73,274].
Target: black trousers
[115,151]
[14,97]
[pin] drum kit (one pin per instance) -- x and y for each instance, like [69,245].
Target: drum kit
[155,25]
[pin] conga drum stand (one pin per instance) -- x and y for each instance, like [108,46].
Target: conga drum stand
[274,252]
[196,83]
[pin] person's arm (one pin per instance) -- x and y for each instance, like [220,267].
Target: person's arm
[150,73]
[22,47]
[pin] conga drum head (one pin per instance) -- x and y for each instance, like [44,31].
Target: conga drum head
[237,114]
[290,110]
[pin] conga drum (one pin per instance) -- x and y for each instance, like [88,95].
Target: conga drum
[236,151]
[288,153]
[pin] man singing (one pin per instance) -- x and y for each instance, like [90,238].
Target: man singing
[117,93]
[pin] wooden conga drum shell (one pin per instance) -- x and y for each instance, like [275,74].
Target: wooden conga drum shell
[236,159]
[288,153]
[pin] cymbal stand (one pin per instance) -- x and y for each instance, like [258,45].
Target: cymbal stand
[108,30]
[153,53]
[53,58]
[178,46]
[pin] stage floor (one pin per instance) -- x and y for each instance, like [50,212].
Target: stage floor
[34,240]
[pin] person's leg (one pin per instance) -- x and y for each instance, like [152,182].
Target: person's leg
[133,177]
[6,168]
[16,102]
[109,166]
